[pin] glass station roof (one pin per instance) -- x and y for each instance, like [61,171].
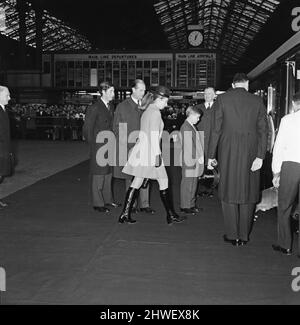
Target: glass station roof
[229,25]
[57,35]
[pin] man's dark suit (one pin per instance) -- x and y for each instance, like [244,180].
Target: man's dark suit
[205,125]
[191,152]
[5,144]
[239,130]
[98,118]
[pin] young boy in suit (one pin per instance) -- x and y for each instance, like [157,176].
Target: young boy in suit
[192,155]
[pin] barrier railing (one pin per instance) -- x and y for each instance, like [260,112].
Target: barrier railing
[47,127]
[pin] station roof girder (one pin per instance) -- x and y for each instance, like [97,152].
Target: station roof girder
[229,25]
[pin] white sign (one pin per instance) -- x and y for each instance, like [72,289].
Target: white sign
[2,20]
[195,27]
[94,78]
[195,56]
[296,281]
[2,279]
[296,21]
[114,57]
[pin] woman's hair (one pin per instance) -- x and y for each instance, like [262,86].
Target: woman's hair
[147,100]
[153,94]
[192,110]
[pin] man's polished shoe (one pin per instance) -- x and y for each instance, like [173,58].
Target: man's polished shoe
[113,204]
[147,210]
[197,209]
[3,204]
[101,209]
[175,218]
[243,242]
[188,210]
[285,251]
[202,194]
[234,242]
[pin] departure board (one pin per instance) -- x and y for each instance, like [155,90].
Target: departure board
[78,70]
[195,70]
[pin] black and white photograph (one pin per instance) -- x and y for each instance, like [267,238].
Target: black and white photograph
[149,155]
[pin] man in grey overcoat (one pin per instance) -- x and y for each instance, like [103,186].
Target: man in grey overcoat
[128,115]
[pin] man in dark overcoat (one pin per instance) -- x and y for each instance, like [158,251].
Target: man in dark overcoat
[240,131]
[5,144]
[127,119]
[99,118]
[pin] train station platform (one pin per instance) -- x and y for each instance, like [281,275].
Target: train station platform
[56,249]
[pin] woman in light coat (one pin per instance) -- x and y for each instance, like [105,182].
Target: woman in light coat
[145,160]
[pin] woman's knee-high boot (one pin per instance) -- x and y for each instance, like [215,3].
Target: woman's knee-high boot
[172,216]
[129,200]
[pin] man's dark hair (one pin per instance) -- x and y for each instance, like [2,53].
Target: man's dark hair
[104,85]
[193,109]
[296,98]
[136,82]
[210,87]
[240,77]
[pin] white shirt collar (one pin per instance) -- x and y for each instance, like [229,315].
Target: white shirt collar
[191,124]
[135,100]
[208,103]
[3,107]
[106,103]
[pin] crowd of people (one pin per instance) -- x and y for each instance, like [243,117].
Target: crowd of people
[64,121]
[44,121]
[43,110]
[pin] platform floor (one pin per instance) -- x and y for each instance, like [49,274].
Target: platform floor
[56,250]
[38,159]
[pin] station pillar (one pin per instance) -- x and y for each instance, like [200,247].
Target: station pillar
[21,8]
